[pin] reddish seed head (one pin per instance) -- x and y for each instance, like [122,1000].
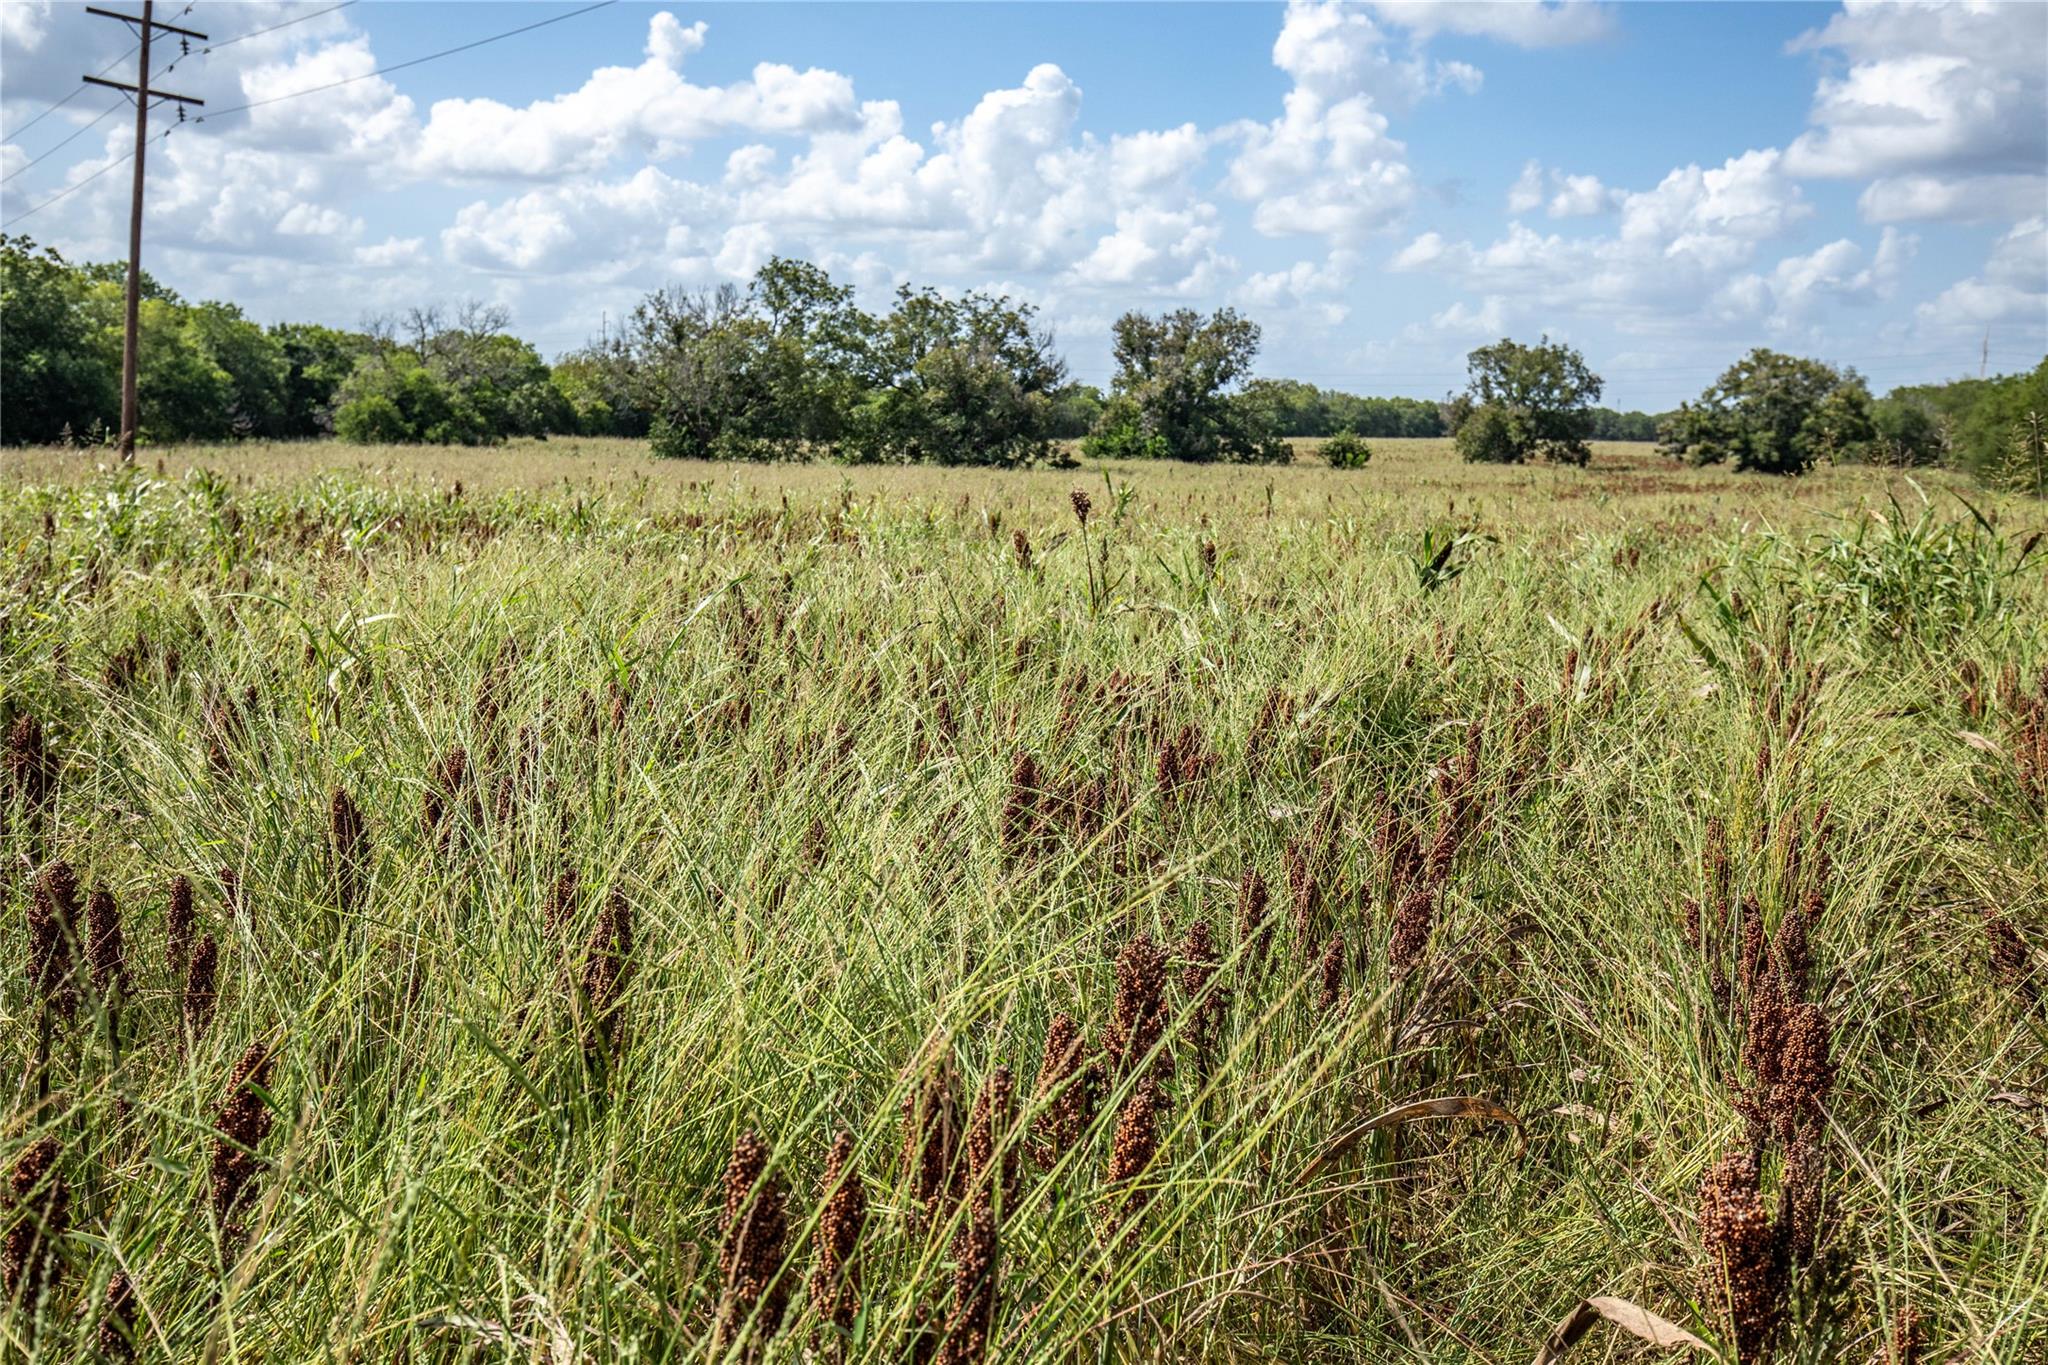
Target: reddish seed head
[1207,997]
[1748,1276]
[559,910]
[1805,1071]
[1753,959]
[1331,975]
[1083,505]
[607,970]
[1138,1018]
[1069,1084]
[1799,1197]
[991,1149]
[1254,935]
[931,1140]
[970,1323]
[1132,1149]
[31,764]
[1909,1336]
[446,783]
[200,994]
[116,1335]
[752,1231]
[241,1125]
[41,1202]
[1305,888]
[2011,967]
[348,841]
[1793,954]
[105,957]
[179,921]
[835,1280]
[1414,922]
[52,926]
[1020,805]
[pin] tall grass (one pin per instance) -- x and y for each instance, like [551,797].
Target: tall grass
[792,820]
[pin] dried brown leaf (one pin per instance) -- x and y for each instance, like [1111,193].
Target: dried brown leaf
[1981,743]
[1640,1323]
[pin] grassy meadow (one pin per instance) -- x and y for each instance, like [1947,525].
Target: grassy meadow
[1203,913]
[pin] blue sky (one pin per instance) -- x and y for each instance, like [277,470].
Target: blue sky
[1381,186]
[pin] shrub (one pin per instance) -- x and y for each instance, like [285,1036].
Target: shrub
[372,419]
[1347,450]
[1487,436]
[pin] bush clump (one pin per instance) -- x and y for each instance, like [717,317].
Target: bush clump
[1347,450]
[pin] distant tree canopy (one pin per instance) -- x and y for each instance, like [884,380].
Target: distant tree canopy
[1525,401]
[1177,391]
[789,366]
[1299,409]
[1776,414]
[1970,422]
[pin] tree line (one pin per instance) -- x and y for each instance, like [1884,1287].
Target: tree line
[788,366]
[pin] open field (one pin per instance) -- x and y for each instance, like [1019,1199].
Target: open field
[554,834]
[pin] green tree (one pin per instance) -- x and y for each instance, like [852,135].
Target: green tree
[598,384]
[768,372]
[1075,410]
[182,391]
[317,360]
[1175,391]
[1541,399]
[1907,431]
[253,360]
[1974,418]
[1774,413]
[56,369]
[395,397]
[957,381]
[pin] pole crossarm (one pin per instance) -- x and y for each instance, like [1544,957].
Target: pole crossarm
[154,92]
[143,19]
[147,26]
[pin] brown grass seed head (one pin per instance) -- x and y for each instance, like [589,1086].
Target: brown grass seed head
[1068,1089]
[106,958]
[835,1279]
[179,921]
[1748,1271]
[752,1231]
[1138,1016]
[31,762]
[52,927]
[241,1125]
[40,1200]
[201,993]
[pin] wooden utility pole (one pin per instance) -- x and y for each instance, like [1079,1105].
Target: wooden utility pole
[143,95]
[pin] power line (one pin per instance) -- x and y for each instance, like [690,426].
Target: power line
[81,131]
[113,165]
[416,61]
[116,105]
[86,128]
[203,52]
[61,103]
[278,99]
[258,33]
